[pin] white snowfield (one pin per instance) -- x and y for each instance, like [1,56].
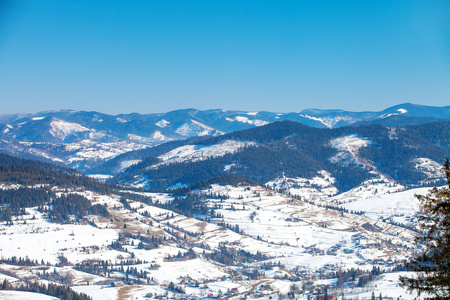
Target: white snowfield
[348,147]
[400,111]
[162,123]
[201,152]
[60,129]
[90,150]
[331,122]
[17,295]
[195,128]
[246,120]
[400,207]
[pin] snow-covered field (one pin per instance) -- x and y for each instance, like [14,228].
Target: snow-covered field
[399,207]
[17,295]
[199,152]
[293,234]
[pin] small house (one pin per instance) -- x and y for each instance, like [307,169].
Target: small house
[117,283]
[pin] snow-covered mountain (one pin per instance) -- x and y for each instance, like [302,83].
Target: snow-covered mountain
[45,135]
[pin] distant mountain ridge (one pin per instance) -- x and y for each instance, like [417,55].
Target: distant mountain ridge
[84,139]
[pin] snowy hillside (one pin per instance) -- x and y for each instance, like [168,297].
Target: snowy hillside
[249,238]
[199,152]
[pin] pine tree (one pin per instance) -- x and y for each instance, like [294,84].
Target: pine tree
[434,264]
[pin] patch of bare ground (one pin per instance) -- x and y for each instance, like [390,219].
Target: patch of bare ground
[201,225]
[158,232]
[124,292]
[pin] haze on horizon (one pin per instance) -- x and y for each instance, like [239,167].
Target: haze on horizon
[282,56]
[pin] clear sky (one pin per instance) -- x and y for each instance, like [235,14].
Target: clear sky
[283,56]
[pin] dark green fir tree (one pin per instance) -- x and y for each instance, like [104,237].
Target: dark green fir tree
[433,265]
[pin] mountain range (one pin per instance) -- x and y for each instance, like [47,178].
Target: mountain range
[86,140]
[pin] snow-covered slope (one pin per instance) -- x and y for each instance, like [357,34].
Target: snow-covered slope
[61,129]
[300,240]
[200,152]
[348,147]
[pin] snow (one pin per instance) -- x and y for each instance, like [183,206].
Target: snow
[47,240]
[320,186]
[290,227]
[201,152]
[401,206]
[37,118]
[430,168]
[195,268]
[386,284]
[252,113]
[400,111]
[378,185]
[321,190]
[317,119]
[128,163]
[195,128]
[330,121]
[94,135]
[101,177]
[348,147]
[99,292]
[60,129]
[247,120]
[120,120]
[157,135]
[92,151]
[162,123]
[19,295]
[227,168]
[145,140]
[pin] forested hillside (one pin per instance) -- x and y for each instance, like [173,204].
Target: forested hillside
[295,150]
[28,183]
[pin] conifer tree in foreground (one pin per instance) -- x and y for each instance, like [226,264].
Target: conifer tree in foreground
[433,266]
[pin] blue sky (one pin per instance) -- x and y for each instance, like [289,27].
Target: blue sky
[284,56]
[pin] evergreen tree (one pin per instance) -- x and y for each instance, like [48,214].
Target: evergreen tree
[434,264]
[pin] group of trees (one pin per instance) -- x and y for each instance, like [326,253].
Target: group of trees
[51,289]
[234,257]
[28,172]
[59,208]
[65,206]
